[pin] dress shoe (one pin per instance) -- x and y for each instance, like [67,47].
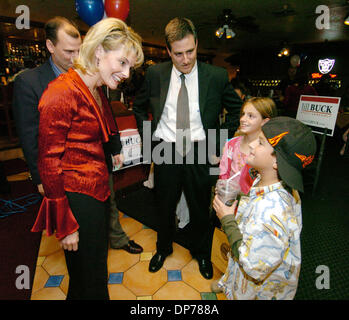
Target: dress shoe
[132,247]
[157,261]
[205,267]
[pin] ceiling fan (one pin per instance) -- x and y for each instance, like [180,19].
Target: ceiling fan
[245,23]
[343,4]
[228,20]
[286,11]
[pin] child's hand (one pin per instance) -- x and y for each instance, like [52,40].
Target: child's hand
[118,160]
[221,209]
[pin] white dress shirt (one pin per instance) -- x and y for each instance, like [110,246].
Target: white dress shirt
[166,129]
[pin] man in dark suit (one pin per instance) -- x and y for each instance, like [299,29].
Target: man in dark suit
[63,42]
[199,92]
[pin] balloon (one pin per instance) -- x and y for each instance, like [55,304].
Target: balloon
[295,61]
[90,11]
[104,15]
[117,8]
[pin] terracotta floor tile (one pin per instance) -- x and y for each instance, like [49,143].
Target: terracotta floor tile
[192,276]
[145,298]
[55,264]
[178,259]
[48,294]
[40,260]
[130,226]
[122,215]
[121,260]
[142,282]
[65,284]
[176,291]
[120,292]
[146,238]
[221,296]
[40,278]
[48,245]
[146,256]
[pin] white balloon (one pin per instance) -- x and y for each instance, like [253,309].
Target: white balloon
[295,61]
[105,15]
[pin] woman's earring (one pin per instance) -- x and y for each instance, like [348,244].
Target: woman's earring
[97,62]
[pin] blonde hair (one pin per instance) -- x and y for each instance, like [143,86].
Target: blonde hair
[265,106]
[111,34]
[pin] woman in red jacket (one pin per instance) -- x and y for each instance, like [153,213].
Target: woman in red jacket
[75,121]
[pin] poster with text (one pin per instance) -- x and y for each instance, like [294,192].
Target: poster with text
[131,148]
[318,113]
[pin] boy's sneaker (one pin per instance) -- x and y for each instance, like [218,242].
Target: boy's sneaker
[215,288]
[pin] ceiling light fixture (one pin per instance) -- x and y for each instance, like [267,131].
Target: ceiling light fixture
[346,20]
[229,33]
[225,21]
[285,51]
[220,32]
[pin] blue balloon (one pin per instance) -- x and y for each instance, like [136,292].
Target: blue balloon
[90,11]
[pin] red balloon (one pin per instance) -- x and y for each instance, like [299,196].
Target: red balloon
[117,8]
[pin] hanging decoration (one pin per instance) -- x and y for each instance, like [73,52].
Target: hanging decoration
[326,65]
[104,15]
[90,11]
[117,8]
[295,61]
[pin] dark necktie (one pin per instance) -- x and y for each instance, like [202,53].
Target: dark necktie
[183,120]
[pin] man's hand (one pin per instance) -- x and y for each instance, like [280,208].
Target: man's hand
[70,242]
[118,160]
[41,190]
[221,209]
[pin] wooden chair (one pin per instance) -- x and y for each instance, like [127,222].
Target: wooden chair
[119,109]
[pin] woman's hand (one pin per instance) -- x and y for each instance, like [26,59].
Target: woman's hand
[222,209]
[118,160]
[70,242]
[41,190]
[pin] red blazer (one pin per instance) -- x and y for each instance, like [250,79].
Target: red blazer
[72,131]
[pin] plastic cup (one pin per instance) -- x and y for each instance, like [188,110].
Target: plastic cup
[228,190]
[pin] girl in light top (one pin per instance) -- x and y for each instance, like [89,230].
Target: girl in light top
[255,112]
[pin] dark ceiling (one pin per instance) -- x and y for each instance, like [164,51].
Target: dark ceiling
[278,21]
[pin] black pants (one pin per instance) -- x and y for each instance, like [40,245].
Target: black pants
[195,181]
[87,267]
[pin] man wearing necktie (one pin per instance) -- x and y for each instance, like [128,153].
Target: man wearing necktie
[185,97]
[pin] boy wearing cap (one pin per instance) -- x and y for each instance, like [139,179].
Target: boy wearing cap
[264,233]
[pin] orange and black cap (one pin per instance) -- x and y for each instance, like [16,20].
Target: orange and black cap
[294,145]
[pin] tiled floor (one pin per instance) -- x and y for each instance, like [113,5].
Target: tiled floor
[129,278]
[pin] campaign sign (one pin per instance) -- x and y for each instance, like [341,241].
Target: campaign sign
[318,112]
[131,148]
